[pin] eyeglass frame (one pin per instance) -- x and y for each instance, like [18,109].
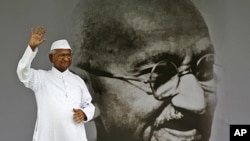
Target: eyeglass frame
[127,79]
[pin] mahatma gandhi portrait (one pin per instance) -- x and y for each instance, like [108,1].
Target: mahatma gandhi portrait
[149,65]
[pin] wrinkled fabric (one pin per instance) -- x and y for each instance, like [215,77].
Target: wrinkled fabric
[56,93]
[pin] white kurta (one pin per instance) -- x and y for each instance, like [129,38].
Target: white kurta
[56,95]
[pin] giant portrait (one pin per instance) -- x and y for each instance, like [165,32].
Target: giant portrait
[149,65]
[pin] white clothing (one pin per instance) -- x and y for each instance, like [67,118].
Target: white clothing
[56,93]
[60,44]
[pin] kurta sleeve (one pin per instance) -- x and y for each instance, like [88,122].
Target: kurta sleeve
[86,104]
[24,71]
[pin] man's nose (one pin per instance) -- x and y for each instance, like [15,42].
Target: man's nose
[66,58]
[190,95]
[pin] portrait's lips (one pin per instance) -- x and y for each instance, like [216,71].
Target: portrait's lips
[173,125]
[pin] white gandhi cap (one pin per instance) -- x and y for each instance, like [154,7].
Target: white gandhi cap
[60,44]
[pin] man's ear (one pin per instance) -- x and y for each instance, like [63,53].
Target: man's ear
[50,58]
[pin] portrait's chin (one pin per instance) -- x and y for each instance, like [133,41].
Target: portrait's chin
[163,134]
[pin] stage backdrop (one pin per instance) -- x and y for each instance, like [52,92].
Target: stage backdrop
[228,22]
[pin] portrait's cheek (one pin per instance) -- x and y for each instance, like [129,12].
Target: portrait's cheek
[125,105]
[211,105]
[210,93]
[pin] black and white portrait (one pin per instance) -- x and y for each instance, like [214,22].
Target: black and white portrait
[150,65]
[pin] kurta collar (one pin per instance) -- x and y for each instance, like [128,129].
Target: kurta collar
[57,72]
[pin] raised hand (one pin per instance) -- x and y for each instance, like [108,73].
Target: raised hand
[37,37]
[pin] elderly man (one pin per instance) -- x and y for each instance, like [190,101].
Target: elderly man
[150,66]
[63,100]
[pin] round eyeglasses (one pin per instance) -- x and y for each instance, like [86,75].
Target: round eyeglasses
[163,71]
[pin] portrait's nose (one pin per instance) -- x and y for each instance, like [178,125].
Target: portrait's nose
[190,95]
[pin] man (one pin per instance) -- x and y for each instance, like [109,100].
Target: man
[63,101]
[150,67]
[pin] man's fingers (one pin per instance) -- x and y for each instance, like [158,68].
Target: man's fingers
[77,119]
[37,36]
[78,115]
[40,30]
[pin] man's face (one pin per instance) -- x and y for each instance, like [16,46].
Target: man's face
[61,59]
[178,98]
